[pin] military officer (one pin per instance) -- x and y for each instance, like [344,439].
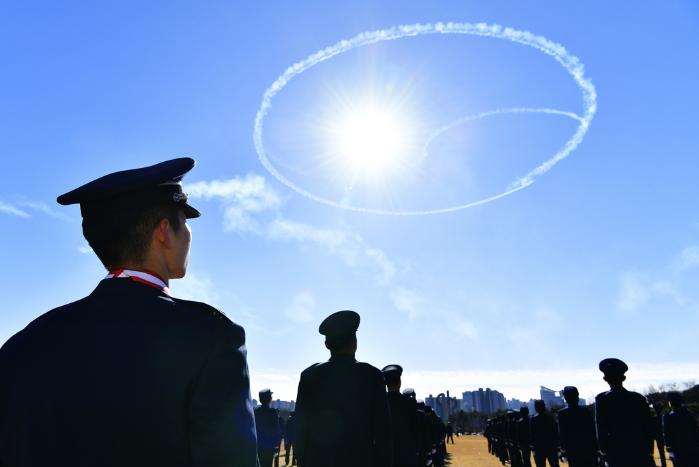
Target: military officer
[290,439]
[577,431]
[268,429]
[544,436]
[623,419]
[681,433]
[342,415]
[523,438]
[129,375]
[403,419]
[423,442]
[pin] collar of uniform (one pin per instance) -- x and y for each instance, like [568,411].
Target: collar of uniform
[148,278]
[343,358]
[127,286]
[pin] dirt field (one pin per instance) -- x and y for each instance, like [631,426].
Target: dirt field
[472,451]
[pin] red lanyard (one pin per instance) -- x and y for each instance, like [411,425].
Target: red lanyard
[143,277]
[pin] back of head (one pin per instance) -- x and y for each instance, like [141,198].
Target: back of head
[614,371]
[392,376]
[540,406]
[676,400]
[571,395]
[340,331]
[121,210]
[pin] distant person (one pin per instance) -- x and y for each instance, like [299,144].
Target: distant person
[681,433]
[342,415]
[423,443]
[523,437]
[544,436]
[623,418]
[290,439]
[129,375]
[403,419]
[576,427]
[658,432]
[450,433]
[268,433]
[511,437]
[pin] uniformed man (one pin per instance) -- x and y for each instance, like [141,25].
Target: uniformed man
[523,438]
[511,439]
[342,415]
[624,423]
[577,431]
[289,440]
[681,433]
[658,432]
[268,429]
[424,443]
[544,436]
[129,375]
[403,419]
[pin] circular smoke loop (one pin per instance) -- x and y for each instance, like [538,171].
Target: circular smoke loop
[570,62]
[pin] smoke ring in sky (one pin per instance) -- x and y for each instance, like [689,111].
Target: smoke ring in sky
[570,62]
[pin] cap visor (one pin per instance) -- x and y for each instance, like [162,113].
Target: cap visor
[190,212]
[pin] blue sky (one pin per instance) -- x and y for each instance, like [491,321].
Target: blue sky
[598,258]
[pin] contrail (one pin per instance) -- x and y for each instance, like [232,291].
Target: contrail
[570,62]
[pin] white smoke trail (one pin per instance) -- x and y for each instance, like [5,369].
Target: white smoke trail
[570,62]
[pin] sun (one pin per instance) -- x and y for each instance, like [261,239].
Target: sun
[370,139]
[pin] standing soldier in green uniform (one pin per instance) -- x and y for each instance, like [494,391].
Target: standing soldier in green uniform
[342,415]
[624,422]
[129,375]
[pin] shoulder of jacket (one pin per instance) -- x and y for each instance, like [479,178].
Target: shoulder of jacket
[370,369]
[201,307]
[212,316]
[313,368]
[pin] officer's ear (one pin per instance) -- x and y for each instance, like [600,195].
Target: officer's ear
[164,233]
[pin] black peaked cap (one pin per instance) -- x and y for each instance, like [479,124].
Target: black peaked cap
[613,366]
[134,187]
[341,323]
[394,369]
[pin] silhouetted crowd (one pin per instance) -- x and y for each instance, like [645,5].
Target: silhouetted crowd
[621,431]
[349,413]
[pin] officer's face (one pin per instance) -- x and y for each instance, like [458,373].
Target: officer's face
[179,257]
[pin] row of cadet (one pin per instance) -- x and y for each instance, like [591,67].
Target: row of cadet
[419,437]
[622,431]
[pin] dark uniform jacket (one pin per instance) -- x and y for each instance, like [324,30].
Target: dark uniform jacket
[523,441]
[624,428]
[267,423]
[543,432]
[577,433]
[342,415]
[127,376]
[405,430]
[682,437]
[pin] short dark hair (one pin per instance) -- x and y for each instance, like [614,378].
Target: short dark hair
[339,342]
[125,235]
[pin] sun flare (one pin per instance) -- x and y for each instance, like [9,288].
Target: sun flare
[370,139]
